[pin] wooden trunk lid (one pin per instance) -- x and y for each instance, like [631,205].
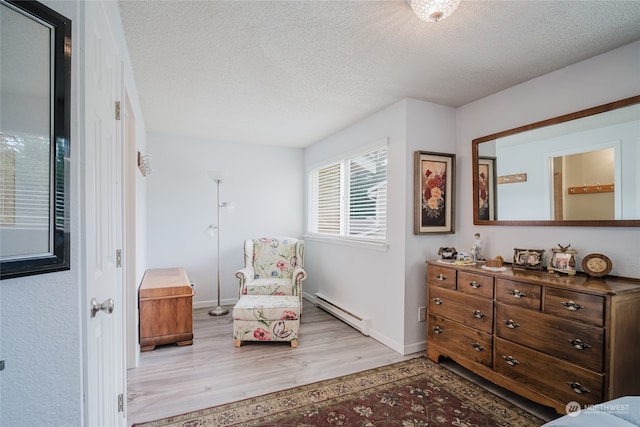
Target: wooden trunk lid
[165,282]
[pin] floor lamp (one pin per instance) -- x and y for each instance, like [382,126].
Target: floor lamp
[216,176]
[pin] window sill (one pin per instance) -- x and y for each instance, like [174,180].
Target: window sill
[344,241]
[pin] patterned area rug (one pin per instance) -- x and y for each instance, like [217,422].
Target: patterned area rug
[415,392]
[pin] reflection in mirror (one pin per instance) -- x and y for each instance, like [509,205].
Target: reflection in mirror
[579,169]
[573,197]
[25,135]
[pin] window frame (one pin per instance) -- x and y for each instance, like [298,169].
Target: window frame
[346,224]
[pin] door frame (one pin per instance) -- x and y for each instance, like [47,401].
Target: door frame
[130,282]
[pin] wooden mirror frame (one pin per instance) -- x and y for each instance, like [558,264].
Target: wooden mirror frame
[560,119]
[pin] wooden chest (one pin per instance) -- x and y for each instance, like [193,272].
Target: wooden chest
[166,314]
[551,339]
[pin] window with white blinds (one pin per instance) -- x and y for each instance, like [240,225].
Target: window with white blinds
[349,197]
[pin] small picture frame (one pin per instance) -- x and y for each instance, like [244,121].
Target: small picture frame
[487,188]
[448,253]
[563,261]
[528,258]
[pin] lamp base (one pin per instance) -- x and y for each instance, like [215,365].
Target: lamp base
[218,311]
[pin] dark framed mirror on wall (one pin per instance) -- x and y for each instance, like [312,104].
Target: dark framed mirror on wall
[580,169]
[35,100]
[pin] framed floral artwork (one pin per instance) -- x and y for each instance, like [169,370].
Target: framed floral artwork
[487,188]
[434,193]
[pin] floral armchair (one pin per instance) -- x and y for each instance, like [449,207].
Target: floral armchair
[272,266]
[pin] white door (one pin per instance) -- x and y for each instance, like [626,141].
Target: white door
[102,181]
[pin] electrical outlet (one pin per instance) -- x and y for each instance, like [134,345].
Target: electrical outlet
[422,314]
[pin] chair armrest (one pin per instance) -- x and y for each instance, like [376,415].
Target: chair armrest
[298,275]
[245,275]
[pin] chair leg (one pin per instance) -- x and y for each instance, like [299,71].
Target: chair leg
[294,343]
[236,343]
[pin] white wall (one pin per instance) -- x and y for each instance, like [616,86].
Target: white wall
[430,127]
[42,380]
[42,316]
[602,79]
[264,182]
[384,286]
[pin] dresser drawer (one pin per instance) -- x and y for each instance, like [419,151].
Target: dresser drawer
[469,343]
[475,284]
[574,305]
[518,293]
[557,379]
[572,341]
[472,311]
[442,277]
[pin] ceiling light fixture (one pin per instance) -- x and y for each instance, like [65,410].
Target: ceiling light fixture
[433,10]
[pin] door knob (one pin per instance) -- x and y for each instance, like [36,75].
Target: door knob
[106,306]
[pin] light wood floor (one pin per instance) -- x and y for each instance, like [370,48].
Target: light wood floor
[172,380]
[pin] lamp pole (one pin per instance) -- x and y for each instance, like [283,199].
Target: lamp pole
[219,310]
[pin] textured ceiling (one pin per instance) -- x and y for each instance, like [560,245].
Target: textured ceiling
[290,73]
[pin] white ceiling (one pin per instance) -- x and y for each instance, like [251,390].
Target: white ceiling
[290,73]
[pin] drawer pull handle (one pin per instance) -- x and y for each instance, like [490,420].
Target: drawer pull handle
[578,388]
[571,306]
[578,344]
[437,301]
[511,324]
[438,329]
[478,314]
[475,285]
[510,360]
[441,277]
[517,294]
[477,346]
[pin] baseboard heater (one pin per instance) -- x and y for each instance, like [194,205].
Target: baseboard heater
[343,314]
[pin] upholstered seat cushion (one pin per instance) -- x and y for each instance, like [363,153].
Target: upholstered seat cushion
[266,318]
[267,308]
[269,287]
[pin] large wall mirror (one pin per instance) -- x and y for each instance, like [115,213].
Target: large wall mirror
[580,169]
[35,97]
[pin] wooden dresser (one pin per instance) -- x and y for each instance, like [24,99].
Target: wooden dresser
[166,314]
[552,339]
